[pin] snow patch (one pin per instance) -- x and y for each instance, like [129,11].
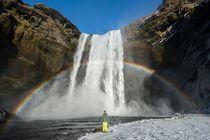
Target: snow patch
[184,128]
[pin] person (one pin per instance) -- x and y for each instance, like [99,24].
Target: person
[104,122]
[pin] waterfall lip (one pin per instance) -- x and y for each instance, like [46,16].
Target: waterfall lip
[107,33]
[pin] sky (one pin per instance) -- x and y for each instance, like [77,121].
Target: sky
[101,16]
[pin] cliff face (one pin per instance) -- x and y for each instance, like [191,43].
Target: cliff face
[175,41]
[35,44]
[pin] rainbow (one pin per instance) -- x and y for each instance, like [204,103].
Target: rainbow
[28,96]
[166,81]
[30,93]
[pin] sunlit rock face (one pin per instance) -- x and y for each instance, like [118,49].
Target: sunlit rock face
[175,42]
[35,44]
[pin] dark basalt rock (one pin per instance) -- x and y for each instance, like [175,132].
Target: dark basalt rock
[175,41]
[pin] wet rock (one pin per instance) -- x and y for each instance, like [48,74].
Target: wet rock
[178,115]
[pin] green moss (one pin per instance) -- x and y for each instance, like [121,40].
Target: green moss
[36,41]
[172,17]
[13,11]
[158,53]
[5,22]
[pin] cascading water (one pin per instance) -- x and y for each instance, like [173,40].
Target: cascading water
[77,60]
[101,84]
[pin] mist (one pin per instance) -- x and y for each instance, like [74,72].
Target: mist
[103,83]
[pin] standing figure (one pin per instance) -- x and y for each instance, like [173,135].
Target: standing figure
[104,122]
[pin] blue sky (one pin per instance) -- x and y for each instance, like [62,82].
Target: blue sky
[100,16]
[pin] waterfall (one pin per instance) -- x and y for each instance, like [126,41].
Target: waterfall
[96,83]
[77,61]
[104,70]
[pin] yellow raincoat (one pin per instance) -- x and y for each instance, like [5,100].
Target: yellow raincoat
[104,122]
